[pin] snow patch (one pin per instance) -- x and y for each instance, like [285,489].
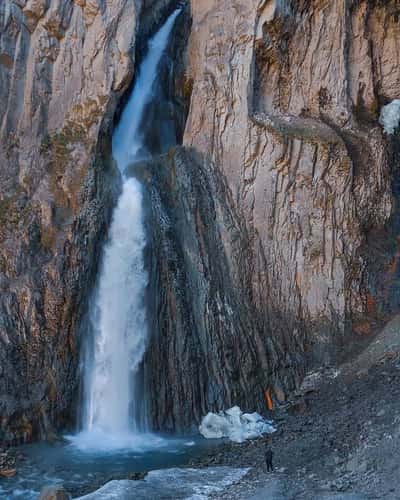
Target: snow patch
[390,116]
[235,425]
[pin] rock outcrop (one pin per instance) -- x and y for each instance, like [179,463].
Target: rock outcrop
[297,255]
[205,350]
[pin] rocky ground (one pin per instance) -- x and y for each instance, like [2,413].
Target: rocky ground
[8,459]
[338,439]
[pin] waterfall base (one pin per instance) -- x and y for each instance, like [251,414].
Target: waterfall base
[82,467]
[98,440]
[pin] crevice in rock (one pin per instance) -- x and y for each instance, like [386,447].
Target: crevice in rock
[171,80]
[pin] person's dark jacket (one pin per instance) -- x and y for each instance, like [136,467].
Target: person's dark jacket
[268,455]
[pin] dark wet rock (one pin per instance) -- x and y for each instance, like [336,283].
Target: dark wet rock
[137,476]
[8,462]
[210,346]
[54,493]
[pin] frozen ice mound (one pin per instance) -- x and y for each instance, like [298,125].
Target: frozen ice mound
[171,484]
[390,116]
[235,425]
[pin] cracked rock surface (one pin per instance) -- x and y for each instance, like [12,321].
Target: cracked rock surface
[285,105]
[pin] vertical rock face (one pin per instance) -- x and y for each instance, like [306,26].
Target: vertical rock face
[206,350]
[287,108]
[273,233]
[63,65]
[284,110]
[298,139]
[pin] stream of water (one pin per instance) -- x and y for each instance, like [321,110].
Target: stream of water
[81,471]
[118,315]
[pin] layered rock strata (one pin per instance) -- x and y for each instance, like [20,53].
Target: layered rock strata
[206,349]
[284,108]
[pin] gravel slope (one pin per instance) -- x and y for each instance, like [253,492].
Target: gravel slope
[338,439]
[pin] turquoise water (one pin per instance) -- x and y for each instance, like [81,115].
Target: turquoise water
[82,470]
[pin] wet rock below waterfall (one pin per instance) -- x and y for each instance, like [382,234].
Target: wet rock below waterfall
[7,464]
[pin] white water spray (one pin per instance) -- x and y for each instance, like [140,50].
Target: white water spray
[118,313]
[120,326]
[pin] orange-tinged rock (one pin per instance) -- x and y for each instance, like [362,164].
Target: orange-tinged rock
[8,472]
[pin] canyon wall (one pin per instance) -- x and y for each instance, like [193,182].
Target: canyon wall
[295,259]
[285,101]
[273,232]
[205,350]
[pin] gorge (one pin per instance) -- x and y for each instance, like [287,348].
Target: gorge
[271,205]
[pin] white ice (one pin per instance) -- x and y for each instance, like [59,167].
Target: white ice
[235,425]
[188,484]
[390,116]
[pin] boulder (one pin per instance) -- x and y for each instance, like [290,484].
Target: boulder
[54,493]
[7,472]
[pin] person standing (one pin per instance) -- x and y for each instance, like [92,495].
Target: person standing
[268,458]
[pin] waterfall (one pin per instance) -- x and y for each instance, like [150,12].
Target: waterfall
[117,312]
[119,320]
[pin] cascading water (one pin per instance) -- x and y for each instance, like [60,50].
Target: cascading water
[120,322]
[118,313]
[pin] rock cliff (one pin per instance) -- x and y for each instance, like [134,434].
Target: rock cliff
[205,349]
[295,259]
[274,235]
[287,107]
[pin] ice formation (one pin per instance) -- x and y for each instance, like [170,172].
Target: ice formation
[189,484]
[235,425]
[390,116]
